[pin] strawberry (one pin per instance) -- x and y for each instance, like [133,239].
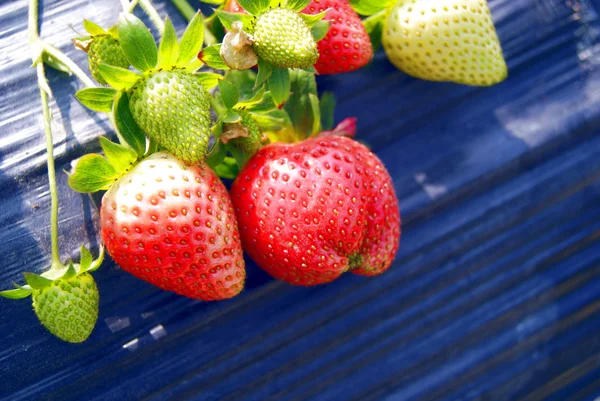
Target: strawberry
[173,108]
[347,46]
[282,38]
[312,210]
[173,226]
[445,40]
[68,307]
[245,135]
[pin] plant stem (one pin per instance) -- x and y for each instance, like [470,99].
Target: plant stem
[128,7]
[63,58]
[43,86]
[185,8]
[153,15]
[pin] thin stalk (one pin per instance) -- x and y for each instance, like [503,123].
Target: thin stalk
[42,83]
[64,59]
[185,8]
[153,15]
[130,5]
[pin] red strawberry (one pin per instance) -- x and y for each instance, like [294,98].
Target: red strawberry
[173,226]
[312,210]
[346,47]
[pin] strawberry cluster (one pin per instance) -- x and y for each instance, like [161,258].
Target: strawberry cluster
[236,98]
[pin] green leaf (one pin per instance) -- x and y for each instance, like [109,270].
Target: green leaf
[137,42]
[264,72]
[85,258]
[215,2]
[320,29]
[265,105]
[370,7]
[374,27]
[92,173]
[211,56]
[97,99]
[192,40]
[270,122]
[279,84]
[229,94]
[327,110]
[297,5]
[228,169]
[119,156]
[209,79]
[255,7]
[227,19]
[256,99]
[36,281]
[117,77]
[17,293]
[241,158]
[312,19]
[299,106]
[316,113]
[93,29]
[98,261]
[129,131]
[168,51]
[244,81]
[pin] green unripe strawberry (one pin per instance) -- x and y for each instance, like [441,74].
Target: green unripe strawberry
[282,38]
[173,108]
[68,308]
[105,49]
[445,40]
[250,140]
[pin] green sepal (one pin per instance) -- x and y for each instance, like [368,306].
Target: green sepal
[137,43]
[244,81]
[227,169]
[231,117]
[96,263]
[92,173]
[279,85]
[128,130]
[312,19]
[93,29]
[240,157]
[119,156]
[55,63]
[17,293]
[310,69]
[194,65]
[216,155]
[211,56]
[265,105]
[265,70]
[299,106]
[209,79]
[229,94]
[320,29]
[192,40]
[316,113]
[374,27]
[97,99]
[168,51]
[227,19]
[215,2]
[255,7]
[327,106]
[85,259]
[370,7]
[117,77]
[272,121]
[253,101]
[297,5]
[70,273]
[36,281]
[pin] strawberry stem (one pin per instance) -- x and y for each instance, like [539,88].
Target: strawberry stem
[185,8]
[63,58]
[34,40]
[153,15]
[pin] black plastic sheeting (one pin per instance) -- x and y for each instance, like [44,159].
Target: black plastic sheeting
[495,293]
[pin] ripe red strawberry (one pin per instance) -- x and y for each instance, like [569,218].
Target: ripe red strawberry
[173,226]
[346,47]
[312,210]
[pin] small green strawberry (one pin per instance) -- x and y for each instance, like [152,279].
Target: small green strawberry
[102,47]
[244,135]
[68,308]
[65,298]
[283,39]
[445,40]
[167,99]
[173,107]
